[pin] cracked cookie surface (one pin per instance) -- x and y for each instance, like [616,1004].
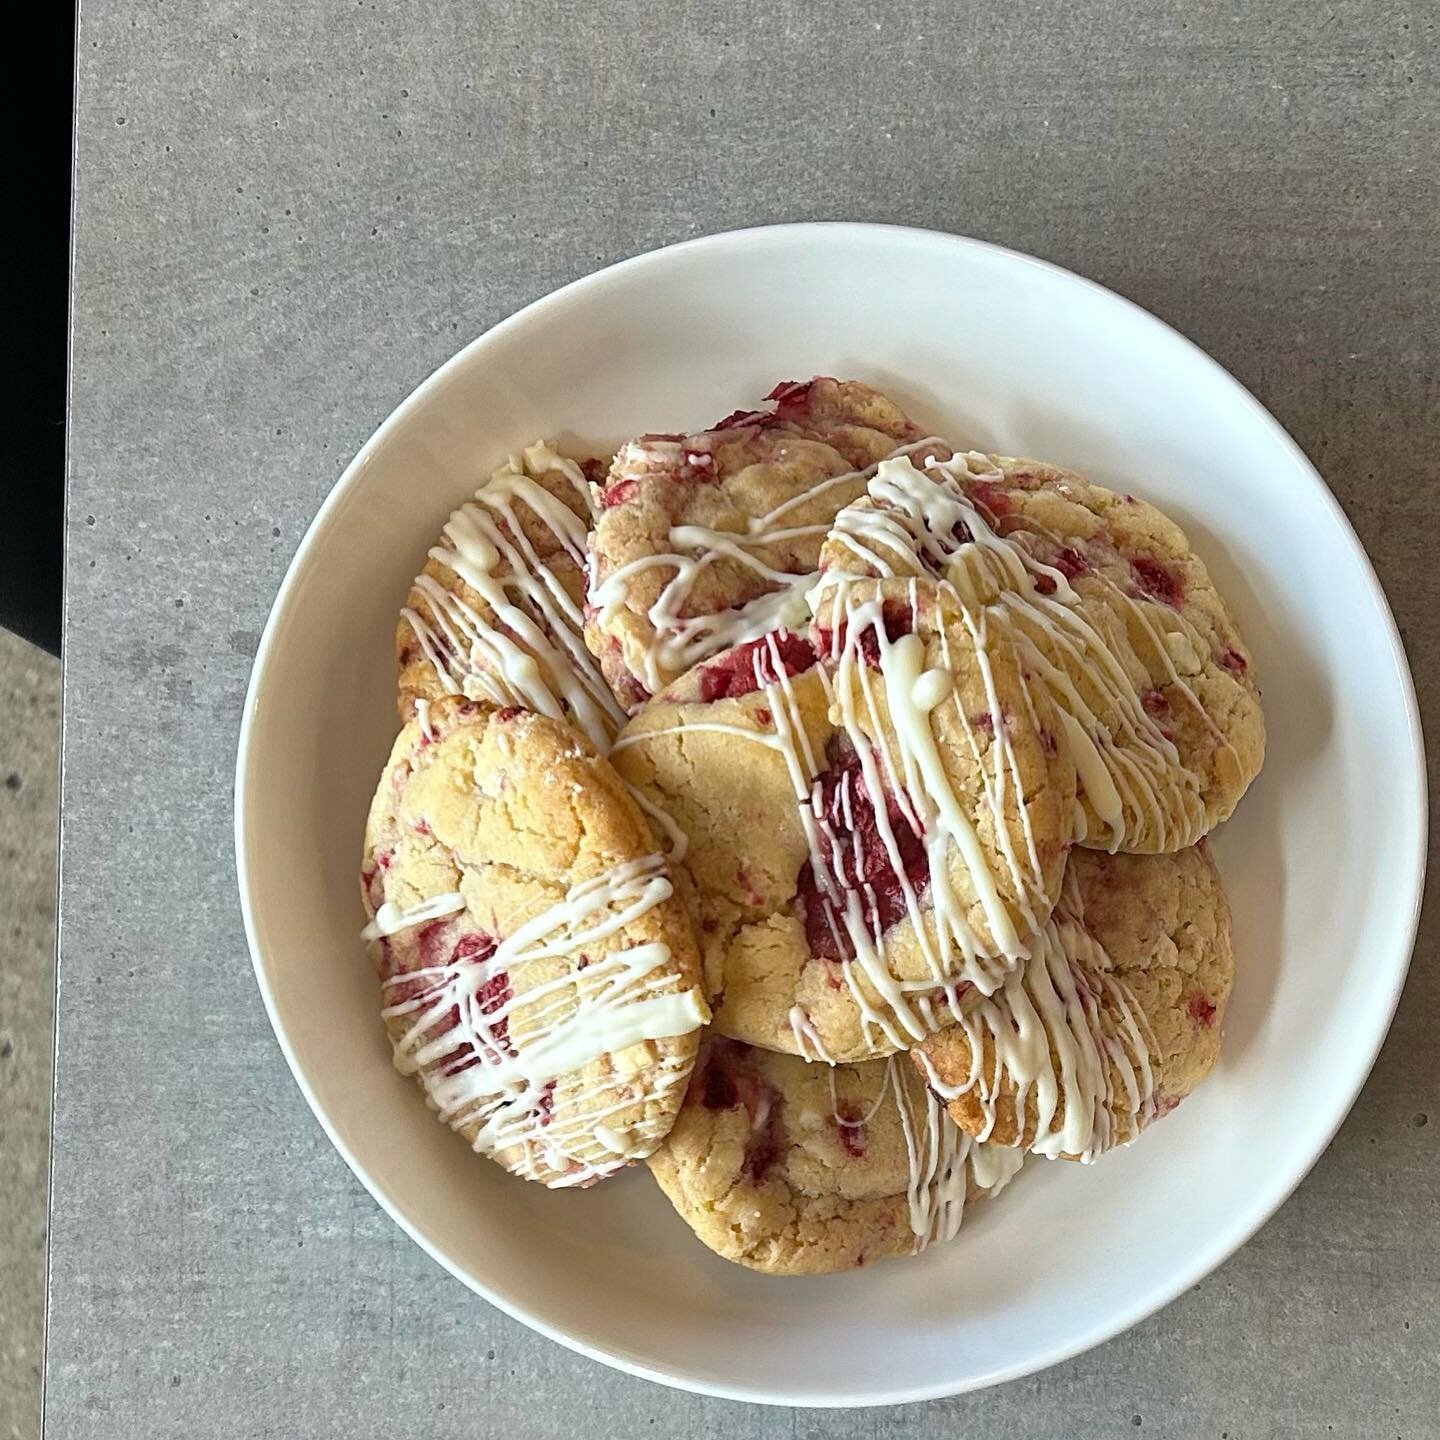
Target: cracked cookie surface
[798,1169]
[858,861]
[539,977]
[497,614]
[1115,1020]
[707,540]
[1128,633]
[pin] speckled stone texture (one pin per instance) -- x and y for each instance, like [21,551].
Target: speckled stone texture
[29,796]
[288,215]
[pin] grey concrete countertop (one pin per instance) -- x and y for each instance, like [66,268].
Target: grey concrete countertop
[287,215]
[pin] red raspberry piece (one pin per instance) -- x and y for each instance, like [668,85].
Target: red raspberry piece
[735,673]
[847,812]
[851,1128]
[618,493]
[1157,581]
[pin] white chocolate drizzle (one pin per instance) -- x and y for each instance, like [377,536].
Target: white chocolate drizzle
[525,646]
[679,640]
[664,824]
[1133,775]
[942,1161]
[390,919]
[808,1042]
[888,722]
[503,1088]
[900,761]
[1064,1037]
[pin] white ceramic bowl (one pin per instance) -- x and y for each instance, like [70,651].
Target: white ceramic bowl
[1324,860]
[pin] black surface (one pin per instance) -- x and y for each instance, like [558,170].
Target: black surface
[32,450]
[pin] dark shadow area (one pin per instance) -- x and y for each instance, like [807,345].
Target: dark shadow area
[32,439]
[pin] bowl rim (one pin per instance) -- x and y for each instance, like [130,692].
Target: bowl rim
[1269,1197]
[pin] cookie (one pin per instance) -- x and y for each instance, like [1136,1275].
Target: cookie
[539,977]
[857,420]
[797,1169]
[497,613]
[1115,1019]
[1129,634]
[871,827]
[705,541]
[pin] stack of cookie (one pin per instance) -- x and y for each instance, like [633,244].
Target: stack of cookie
[814,811]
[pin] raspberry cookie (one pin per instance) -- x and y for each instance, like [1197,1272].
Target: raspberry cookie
[708,540]
[1133,643]
[870,832]
[497,613]
[797,1169]
[539,978]
[1114,1020]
